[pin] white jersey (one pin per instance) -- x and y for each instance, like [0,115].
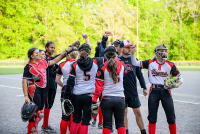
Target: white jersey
[105,83]
[84,81]
[64,69]
[159,72]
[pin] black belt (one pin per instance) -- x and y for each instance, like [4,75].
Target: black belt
[157,86]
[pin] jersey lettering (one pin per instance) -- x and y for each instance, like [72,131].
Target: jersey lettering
[155,73]
[87,76]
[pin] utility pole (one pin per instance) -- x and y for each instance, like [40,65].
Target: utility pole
[137,32]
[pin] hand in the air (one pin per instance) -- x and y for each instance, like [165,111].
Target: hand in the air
[85,35]
[107,33]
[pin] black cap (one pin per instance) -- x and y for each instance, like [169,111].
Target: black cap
[110,49]
[85,45]
[118,42]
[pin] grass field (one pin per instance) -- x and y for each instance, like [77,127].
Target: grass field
[4,71]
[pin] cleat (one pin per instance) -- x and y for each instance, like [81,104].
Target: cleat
[49,129]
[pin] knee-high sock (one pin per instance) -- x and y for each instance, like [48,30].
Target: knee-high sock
[79,128]
[106,131]
[46,117]
[100,116]
[172,128]
[152,128]
[74,128]
[84,129]
[70,122]
[63,127]
[121,130]
[31,127]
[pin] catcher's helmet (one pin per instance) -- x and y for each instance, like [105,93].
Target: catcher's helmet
[28,111]
[67,107]
[162,55]
[160,47]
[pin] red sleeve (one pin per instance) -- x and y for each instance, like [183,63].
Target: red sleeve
[99,82]
[98,90]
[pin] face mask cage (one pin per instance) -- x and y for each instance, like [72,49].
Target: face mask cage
[162,55]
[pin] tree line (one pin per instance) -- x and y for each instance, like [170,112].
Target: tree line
[31,23]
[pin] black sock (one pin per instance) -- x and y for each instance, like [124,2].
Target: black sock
[127,131]
[143,131]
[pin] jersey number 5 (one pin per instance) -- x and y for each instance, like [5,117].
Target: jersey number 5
[86,76]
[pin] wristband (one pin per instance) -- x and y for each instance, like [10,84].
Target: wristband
[25,95]
[62,54]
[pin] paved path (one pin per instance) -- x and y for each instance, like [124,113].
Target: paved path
[186,101]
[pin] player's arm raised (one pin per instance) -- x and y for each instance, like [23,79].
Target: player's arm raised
[134,61]
[85,36]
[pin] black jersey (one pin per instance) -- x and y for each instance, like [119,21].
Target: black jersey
[51,73]
[130,73]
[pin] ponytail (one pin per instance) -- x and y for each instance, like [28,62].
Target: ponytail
[112,66]
[84,53]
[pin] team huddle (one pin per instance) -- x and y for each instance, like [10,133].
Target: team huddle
[105,85]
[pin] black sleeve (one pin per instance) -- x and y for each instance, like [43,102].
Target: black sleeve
[100,73]
[59,72]
[103,42]
[96,51]
[27,74]
[145,64]
[68,88]
[140,77]
[174,70]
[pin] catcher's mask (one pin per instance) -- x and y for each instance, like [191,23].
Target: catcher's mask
[67,107]
[162,55]
[28,111]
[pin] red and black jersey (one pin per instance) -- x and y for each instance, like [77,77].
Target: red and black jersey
[159,72]
[51,72]
[36,71]
[104,83]
[64,70]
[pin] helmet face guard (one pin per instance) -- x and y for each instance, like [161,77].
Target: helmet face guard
[162,55]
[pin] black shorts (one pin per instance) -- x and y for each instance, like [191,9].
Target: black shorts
[133,102]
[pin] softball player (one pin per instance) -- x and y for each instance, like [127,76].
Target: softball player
[42,54]
[50,91]
[35,72]
[109,82]
[64,70]
[158,70]
[82,81]
[130,87]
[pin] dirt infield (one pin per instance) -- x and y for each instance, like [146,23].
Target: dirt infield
[186,101]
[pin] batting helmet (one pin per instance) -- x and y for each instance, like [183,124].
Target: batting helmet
[84,46]
[110,49]
[28,111]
